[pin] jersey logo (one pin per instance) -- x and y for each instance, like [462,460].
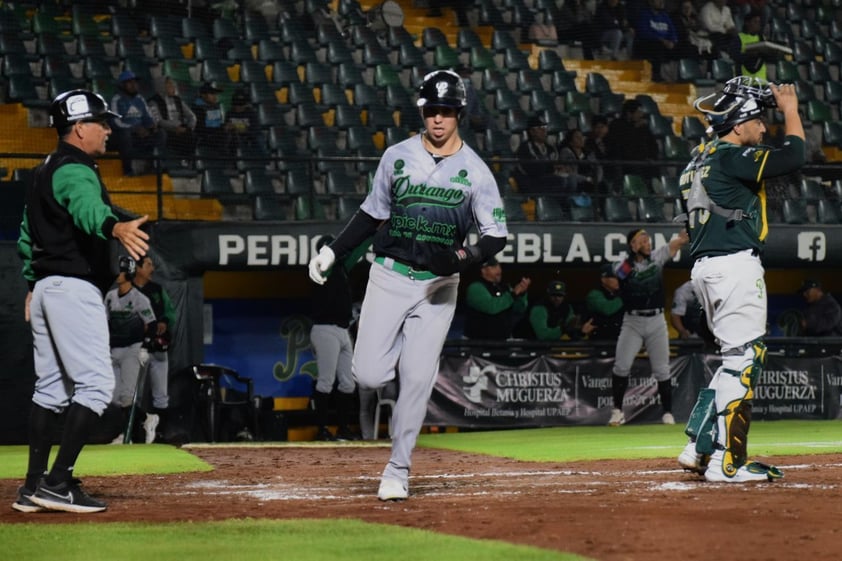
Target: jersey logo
[461,179]
[399,165]
[407,194]
[499,215]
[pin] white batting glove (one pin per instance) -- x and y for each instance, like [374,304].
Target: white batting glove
[320,264]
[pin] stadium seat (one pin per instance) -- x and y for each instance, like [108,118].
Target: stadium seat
[512,205]
[676,148]
[548,209]
[650,209]
[617,210]
[692,128]
[794,211]
[635,186]
[690,70]
[828,212]
[269,207]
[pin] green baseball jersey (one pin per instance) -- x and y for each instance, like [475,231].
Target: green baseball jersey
[724,189]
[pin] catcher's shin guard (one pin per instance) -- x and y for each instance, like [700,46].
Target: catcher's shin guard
[734,398]
[701,426]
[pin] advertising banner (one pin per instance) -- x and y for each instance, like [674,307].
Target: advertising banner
[473,392]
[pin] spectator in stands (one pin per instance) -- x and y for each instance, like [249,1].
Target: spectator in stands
[595,143]
[613,29]
[715,17]
[135,133]
[174,116]
[752,65]
[494,307]
[210,119]
[629,138]
[686,314]
[604,307]
[823,316]
[582,177]
[541,31]
[241,124]
[538,168]
[656,37]
[475,113]
[575,23]
[693,41]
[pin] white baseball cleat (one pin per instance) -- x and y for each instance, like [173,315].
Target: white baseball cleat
[749,472]
[392,490]
[691,460]
[668,419]
[617,418]
[149,425]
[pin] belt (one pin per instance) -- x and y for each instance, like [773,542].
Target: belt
[647,313]
[404,269]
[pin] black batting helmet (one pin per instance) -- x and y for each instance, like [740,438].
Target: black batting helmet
[128,266]
[78,105]
[442,88]
[742,99]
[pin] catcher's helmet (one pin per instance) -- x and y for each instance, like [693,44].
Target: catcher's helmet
[442,88]
[78,105]
[128,266]
[743,98]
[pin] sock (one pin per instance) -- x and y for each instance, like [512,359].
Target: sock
[321,401]
[348,412]
[665,391]
[619,385]
[76,431]
[42,425]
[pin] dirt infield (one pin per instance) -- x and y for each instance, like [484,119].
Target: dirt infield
[608,510]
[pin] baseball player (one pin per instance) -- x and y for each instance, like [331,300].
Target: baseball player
[726,204]
[130,320]
[427,192]
[642,290]
[65,245]
[157,343]
[686,311]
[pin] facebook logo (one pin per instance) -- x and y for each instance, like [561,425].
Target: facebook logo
[811,246]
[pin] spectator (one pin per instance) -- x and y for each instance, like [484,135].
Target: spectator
[241,124]
[693,41]
[135,132]
[630,139]
[210,119]
[595,143]
[823,316]
[537,170]
[174,116]
[575,23]
[475,113]
[715,17]
[582,177]
[604,307]
[613,29]
[542,32]
[656,37]
[493,306]
[752,65]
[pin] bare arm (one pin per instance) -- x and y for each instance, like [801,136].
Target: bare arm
[677,242]
[787,102]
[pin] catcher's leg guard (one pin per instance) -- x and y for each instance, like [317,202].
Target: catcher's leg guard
[701,426]
[734,393]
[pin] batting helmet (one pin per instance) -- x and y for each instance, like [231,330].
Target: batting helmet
[128,266]
[78,105]
[442,88]
[743,98]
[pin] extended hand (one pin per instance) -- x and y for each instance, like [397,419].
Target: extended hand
[132,237]
[320,264]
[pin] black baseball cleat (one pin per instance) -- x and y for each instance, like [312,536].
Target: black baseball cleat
[24,501]
[67,496]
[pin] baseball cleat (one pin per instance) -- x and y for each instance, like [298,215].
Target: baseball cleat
[67,496]
[617,418]
[392,490]
[749,472]
[691,460]
[150,425]
[24,502]
[668,419]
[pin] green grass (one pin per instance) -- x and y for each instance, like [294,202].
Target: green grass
[110,460]
[565,444]
[254,540]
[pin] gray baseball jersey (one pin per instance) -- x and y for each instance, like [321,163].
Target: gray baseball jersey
[431,206]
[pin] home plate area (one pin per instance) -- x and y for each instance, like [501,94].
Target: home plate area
[605,510]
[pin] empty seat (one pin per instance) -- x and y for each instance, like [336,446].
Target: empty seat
[828,212]
[514,209]
[650,209]
[269,207]
[617,210]
[794,211]
[548,209]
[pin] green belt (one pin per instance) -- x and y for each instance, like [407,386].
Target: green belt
[405,270]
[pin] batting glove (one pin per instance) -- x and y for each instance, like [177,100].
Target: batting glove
[320,264]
